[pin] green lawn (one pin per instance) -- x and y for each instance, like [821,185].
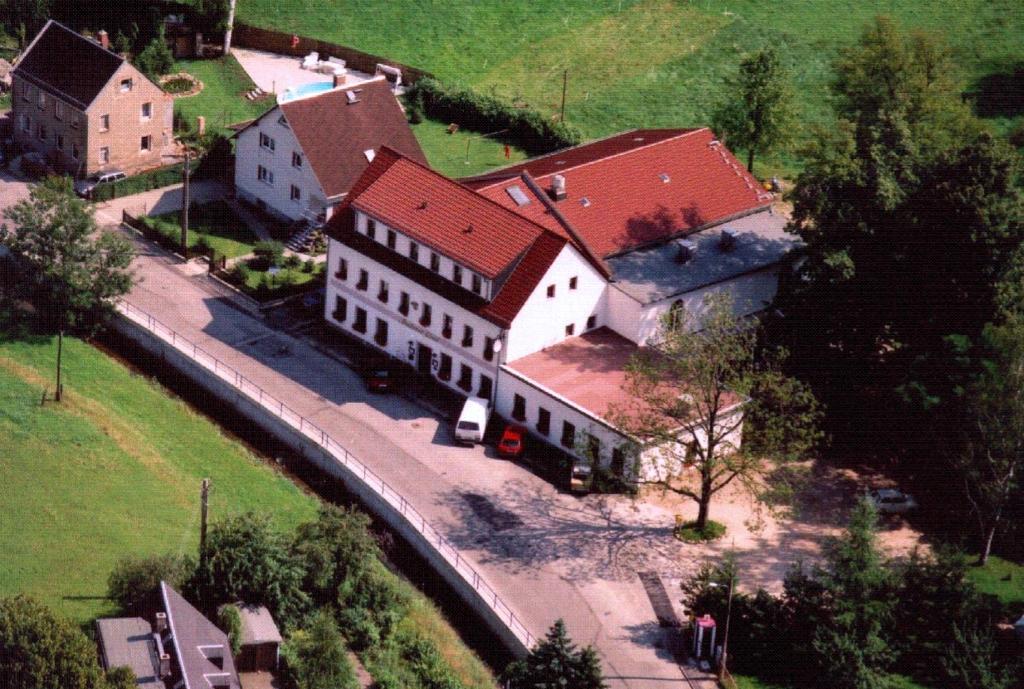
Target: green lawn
[113,470]
[1000,578]
[639,63]
[264,286]
[222,100]
[215,222]
[447,152]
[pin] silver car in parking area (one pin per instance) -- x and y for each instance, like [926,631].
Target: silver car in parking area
[891,501]
[85,187]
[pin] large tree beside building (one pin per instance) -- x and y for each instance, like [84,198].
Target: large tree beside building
[910,214]
[691,392]
[756,114]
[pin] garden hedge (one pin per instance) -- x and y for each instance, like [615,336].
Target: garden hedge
[467,108]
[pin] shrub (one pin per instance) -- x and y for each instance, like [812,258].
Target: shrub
[481,113]
[156,58]
[135,579]
[315,658]
[154,179]
[691,534]
[269,252]
[292,262]
[230,622]
[309,266]
[369,608]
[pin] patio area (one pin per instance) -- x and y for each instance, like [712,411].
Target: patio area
[275,73]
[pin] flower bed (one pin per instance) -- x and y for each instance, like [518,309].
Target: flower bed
[181,84]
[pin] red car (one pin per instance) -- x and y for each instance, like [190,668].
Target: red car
[511,443]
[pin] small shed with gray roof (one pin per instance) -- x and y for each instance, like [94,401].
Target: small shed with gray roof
[261,640]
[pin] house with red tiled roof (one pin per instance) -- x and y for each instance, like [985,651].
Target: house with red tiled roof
[300,158]
[531,286]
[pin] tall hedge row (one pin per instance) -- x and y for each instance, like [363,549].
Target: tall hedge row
[467,108]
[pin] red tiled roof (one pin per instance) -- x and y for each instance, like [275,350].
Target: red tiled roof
[444,215]
[630,205]
[511,296]
[335,134]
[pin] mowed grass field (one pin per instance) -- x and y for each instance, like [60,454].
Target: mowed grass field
[640,63]
[113,470]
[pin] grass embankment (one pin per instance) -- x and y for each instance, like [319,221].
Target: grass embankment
[643,63]
[447,153]
[114,470]
[214,223]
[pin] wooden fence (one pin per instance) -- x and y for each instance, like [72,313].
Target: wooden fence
[247,36]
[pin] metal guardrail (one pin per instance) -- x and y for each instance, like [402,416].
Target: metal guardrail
[313,432]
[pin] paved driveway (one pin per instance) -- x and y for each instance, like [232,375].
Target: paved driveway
[12,190]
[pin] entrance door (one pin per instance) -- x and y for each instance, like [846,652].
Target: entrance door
[423,354]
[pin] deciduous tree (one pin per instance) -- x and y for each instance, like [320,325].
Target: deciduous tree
[135,580]
[687,394]
[317,658]
[756,115]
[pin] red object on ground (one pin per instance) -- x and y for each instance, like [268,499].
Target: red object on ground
[511,443]
[295,41]
[508,151]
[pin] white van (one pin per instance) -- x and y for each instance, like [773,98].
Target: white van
[472,421]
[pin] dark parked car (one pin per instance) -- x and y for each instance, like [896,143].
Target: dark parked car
[379,376]
[85,187]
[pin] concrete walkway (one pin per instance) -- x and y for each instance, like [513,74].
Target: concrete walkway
[549,554]
[274,73]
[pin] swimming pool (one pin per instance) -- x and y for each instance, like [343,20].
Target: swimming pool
[304,90]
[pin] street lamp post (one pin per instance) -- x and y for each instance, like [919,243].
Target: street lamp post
[728,616]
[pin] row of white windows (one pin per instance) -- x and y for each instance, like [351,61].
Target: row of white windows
[444,366]
[405,304]
[266,176]
[391,241]
[145,143]
[145,110]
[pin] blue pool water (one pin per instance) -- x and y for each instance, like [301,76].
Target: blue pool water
[304,90]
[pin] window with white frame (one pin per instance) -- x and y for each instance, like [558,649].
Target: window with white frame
[104,155]
[146,144]
[296,159]
[42,101]
[41,132]
[296,193]
[264,175]
[126,85]
[58,110]
[104,123]
[477,284]
[267,142]
[147,111]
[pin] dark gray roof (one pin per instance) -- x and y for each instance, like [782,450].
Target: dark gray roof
[258,626]
[650,275]
[67,64]
[129,642]
[198,644]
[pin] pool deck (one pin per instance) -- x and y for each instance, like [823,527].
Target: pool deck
[275,73]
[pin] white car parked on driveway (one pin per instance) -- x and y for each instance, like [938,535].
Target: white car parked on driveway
[891,501]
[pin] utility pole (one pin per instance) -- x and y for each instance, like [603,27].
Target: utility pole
[230,27]
[565,84]
[185,172]
[204,501]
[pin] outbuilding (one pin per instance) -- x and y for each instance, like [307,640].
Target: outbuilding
[261,640]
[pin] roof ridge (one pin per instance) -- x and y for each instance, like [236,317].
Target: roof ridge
[474,192]
[682,132]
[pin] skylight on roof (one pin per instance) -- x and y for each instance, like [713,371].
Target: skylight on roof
[664,177]
[585,202]
[370,154]
[518,195]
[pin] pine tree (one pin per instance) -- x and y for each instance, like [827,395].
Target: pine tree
[556,662]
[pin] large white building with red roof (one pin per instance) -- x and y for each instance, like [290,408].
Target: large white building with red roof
[531,286]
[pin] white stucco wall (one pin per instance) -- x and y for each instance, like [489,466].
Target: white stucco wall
[542,320]
[405,332]
[750,293]
[249,155]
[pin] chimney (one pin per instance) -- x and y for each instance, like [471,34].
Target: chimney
[165,665]
[727,241]
[558,192]
[339,80]
[161,622]
[104,39]
[687,250]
